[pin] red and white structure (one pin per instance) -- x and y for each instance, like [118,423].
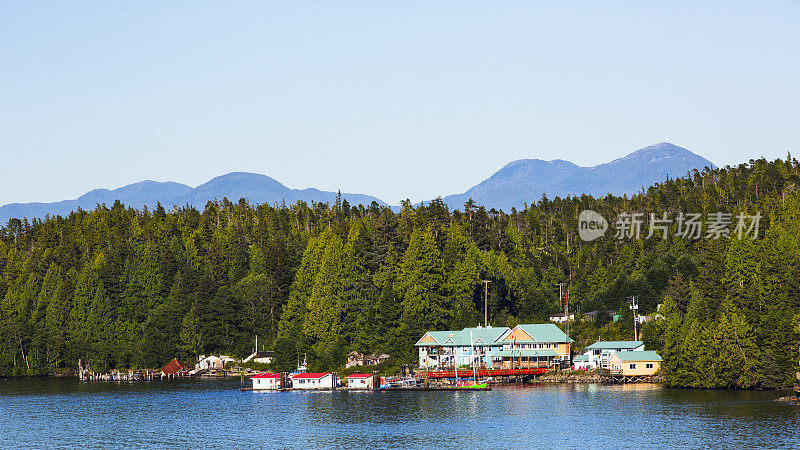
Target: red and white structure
[307,380]
[266,381]
[360,381]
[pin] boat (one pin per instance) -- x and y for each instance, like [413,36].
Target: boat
[481,386]
[404,383]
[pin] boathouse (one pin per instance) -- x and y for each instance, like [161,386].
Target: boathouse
[360,381]
[266,381]
[307,380]
[635,363]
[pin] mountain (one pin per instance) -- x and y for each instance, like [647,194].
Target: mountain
[525,180]
[254,187]
[519,182]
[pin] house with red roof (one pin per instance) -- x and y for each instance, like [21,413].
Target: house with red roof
[266,381]
[360,381]
[309,380]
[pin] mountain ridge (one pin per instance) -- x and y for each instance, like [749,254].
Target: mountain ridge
[256,188]
[516,183]
[526,180]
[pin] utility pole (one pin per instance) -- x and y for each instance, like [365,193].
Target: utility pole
[635,307]
[564,293]
[486,302]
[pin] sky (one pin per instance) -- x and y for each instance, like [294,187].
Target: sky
[397,99]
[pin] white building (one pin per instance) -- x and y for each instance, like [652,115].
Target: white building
[360,381]
[263,357]
[266,381]
[308,380]
[599,353]
[212,362]
[209,362]
[561,318]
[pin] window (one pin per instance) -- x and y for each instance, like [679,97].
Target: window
[648,366]
[632,366]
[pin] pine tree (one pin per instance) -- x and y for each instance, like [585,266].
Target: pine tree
[418,284]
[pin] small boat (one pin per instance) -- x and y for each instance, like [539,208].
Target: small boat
[470,386]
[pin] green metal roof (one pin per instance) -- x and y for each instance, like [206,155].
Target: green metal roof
[524,353]
[544,332]
[643,355]
[606,345]
[480,336]
[444,338]
[581,358]
[485,336]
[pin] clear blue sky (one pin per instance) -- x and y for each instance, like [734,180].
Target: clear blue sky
[397,99]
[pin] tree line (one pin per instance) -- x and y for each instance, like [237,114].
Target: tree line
[120,287]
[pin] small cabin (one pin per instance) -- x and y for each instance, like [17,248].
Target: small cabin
[635,363]
[313,381]
[360,381]
[266,381]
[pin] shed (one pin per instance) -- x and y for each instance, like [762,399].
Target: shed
[360,381]
[307,380]
[266,381]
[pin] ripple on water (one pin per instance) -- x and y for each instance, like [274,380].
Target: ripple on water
[68,413]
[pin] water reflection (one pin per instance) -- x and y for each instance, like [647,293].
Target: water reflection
[53,412]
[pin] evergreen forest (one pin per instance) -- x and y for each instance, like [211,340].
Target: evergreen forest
[118,287]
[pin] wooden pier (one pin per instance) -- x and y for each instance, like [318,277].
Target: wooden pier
[618,378]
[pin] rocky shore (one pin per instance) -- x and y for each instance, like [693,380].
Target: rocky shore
[579,376]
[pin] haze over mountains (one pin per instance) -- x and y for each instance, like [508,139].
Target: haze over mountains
[519,182]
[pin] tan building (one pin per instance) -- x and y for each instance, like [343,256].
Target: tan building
[635,363]
[532,346]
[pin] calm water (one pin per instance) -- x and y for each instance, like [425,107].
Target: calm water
[68,413]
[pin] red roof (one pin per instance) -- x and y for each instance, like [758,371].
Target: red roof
[173,367]
[310,375]
[267,375]
[360,375]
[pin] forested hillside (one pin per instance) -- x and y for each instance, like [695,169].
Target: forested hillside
[123,288]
